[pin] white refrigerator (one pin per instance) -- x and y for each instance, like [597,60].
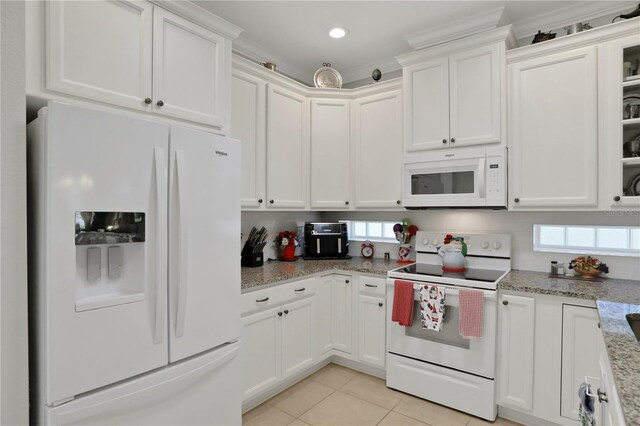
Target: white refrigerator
[134,271]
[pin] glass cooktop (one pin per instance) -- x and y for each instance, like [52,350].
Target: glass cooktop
[469,274]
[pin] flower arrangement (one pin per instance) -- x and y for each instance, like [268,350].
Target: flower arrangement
[587,265]
[458,241]
[287,238]
[404,231]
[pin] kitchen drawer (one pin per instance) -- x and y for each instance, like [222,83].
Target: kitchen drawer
[372,285]
[276,296]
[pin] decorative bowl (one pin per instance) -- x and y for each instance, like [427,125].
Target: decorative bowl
[587,273]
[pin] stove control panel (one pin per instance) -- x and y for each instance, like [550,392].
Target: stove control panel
[488,245]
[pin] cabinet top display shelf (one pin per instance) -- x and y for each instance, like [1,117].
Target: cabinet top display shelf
[630,121]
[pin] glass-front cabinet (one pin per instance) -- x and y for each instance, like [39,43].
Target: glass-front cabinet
[619,62]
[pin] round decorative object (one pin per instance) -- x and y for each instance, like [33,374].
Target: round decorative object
[587,273]
[376,75]
[367,249]
[327,77]
[634,185]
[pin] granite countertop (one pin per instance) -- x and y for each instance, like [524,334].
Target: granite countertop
[615,299]
[275,271]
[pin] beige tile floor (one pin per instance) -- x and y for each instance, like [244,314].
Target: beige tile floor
[336,395]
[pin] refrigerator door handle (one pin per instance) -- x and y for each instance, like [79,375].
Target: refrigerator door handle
[160,169]
[183,239]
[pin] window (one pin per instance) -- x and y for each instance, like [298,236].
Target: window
[611,240]
[370,230]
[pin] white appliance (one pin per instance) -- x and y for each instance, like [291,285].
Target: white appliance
[135,273]
[460,177]
[443,366]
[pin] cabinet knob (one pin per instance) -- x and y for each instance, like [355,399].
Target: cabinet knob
[602,396]
[380,304]
[279,314]
[453,140]
[286,312]
[346,203]
[398,202]
[616,198]
[444,141]
[260,201]
[505,302]
[147,101]
[270,201]
[516,200]
[160,103]
[346,281]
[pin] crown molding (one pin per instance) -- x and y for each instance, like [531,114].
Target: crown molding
[200,16]
[485,21]
[568,15]
[259,54]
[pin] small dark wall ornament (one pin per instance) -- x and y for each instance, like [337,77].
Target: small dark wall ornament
[543,37]
[376,75]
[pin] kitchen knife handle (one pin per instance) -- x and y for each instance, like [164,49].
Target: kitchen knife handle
[161,181]
[183,239]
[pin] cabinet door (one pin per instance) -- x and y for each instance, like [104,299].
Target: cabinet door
[554,131]
[90,57]
[341,318]
[377,146]
[515,366]
[322,317]
[287,148]
[248,125]
[475,85]
[330,171]
[297,336]
[579,354]
[191,71]
[426,105]
[260,351]
[371,330]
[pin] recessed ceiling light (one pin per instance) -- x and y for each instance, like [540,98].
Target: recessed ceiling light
[337,32]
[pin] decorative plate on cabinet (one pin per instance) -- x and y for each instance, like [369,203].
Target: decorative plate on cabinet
[327,77]
[634,186]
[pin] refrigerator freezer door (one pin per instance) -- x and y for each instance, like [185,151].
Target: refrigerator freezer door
[96,332]
[204,242]
[204,390]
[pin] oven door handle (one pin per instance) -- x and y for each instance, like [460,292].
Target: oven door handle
[487,294]
[482,178]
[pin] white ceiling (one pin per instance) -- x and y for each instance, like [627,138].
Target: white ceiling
[294,34]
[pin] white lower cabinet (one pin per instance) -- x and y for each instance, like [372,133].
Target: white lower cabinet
[322,338]
[297,336]
[608,411]
[371,330]
[341,312]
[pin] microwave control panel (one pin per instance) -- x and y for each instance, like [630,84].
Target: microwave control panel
[496,181]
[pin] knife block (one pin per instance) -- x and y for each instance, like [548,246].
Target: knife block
[249,258]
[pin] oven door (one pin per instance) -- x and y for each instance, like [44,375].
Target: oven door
[444,182]
[446,347]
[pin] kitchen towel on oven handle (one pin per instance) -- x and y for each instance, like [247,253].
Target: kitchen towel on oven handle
[432,305]
[471,306]
[402,312]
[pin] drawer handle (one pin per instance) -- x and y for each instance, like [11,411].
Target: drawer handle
[300,289]
[262,300]
[371,285]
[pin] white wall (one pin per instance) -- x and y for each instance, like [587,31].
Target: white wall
[518,224]
[14,396]
[275,222]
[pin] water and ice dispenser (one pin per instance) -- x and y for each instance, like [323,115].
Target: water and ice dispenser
[110,258]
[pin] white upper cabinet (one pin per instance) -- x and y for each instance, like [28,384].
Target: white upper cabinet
[91,57]
[455,92]
[248,125]
[553,132]
[426,97]
[376,126]
[287,148]
[191,70]
[475,85]
[132,54]
[330,171]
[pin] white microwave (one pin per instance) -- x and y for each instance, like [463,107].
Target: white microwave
[460,177]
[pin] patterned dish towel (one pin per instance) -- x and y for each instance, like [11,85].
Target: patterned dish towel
[432,307]
[471,307]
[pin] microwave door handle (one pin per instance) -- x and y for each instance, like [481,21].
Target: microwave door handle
[482,178]
[160,177]
[182,243]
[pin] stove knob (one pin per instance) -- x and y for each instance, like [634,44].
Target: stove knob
[485,245]
[425,242]
[497,245]
[435,242]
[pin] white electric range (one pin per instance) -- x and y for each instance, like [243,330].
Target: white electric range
[443,366]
